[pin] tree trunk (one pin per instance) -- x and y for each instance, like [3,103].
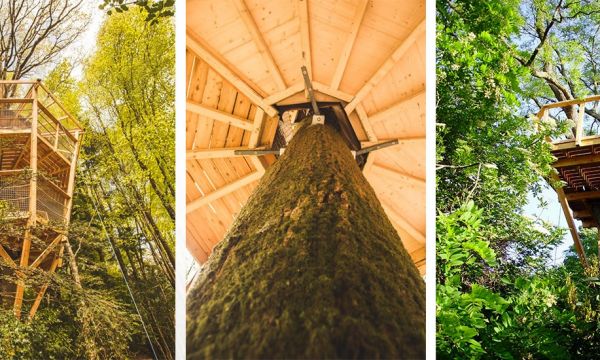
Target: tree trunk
[311,268]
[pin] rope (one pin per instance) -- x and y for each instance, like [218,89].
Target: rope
[122,273]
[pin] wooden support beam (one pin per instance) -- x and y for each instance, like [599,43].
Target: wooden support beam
[31,221]
[218,153]
[228,74]
[580,214]
[284,94]
[305,36]
[219,115]
[402,223]
[219,193]
[40,294]
[570,221]
[46,252]
[579,124]
[571,102]
[328,90]
[396,176]
[381,115]
[263,49]
[366,124]
[361,9]
[386,66]
[6,256]
[259,118]
[583,195]
[401,141]
[577,160]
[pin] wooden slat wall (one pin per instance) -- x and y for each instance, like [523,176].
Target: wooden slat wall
[393,108]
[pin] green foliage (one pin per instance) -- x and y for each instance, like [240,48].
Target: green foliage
[154,9]
[497,294]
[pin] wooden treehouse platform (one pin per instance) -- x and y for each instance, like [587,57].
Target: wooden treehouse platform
[578,167]
[39,146]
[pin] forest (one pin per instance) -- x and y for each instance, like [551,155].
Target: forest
[113,298]
[499,294]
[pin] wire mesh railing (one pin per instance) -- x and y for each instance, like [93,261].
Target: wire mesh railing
[51,200]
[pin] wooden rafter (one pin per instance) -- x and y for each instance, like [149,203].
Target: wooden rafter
[394,109]
[219,115]
[228,74]
[263,49]
[220,192]
[402,223]
[217,153]
[305,36]
[396,175]
[284,94]
[366,123]
[386,66]
[361,9]
[577,160]
[328,90]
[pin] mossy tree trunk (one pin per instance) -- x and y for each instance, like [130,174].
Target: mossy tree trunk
[311,268]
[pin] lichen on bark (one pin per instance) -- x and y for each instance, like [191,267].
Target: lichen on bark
[311,268]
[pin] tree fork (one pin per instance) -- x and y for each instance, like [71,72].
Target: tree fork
[311,268]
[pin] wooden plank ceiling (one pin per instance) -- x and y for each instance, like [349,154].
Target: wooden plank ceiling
[244,56]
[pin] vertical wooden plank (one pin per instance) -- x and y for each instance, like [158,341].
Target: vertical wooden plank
[579,124]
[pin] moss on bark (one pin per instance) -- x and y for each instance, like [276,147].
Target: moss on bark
[311,268]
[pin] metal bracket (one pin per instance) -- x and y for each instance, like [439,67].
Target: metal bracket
[318,119]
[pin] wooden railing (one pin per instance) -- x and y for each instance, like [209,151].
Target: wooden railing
[577,135]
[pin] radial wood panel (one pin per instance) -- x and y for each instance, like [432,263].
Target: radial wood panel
[374,48]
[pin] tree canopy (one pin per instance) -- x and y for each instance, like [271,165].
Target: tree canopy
[498,294]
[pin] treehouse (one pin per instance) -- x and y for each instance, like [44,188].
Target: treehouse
[39,145]
[256,67]
[577,164]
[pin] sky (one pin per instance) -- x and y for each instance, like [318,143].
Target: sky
[553,214]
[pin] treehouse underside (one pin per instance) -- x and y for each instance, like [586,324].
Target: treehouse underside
[579,168]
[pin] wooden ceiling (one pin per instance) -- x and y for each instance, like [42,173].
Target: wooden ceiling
[244,57]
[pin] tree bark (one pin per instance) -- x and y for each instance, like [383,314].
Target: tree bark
[311,268]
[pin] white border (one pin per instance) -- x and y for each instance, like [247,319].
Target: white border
[430,208]
[180,140]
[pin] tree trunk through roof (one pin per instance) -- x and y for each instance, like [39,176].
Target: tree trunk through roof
[311,268]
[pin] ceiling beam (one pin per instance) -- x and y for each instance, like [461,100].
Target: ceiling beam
[259,118]
[263,49]
[396,176]
[305,36]
[341,66]
[284,94]
[217,153]
[384,114]
[577,160]
[583,195]
[228,74]
[219,115]
[386,66]
[402,223]
[401,140]
[366,124]
[222,191]
[328,90]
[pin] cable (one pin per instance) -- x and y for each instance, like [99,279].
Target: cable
[122,273]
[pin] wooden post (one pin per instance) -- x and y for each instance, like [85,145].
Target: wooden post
[579,124]
[570,221]
[31,222]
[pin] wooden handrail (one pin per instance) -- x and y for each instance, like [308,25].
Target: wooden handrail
[54,120]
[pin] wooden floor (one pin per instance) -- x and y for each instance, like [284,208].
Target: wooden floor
[244,58]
